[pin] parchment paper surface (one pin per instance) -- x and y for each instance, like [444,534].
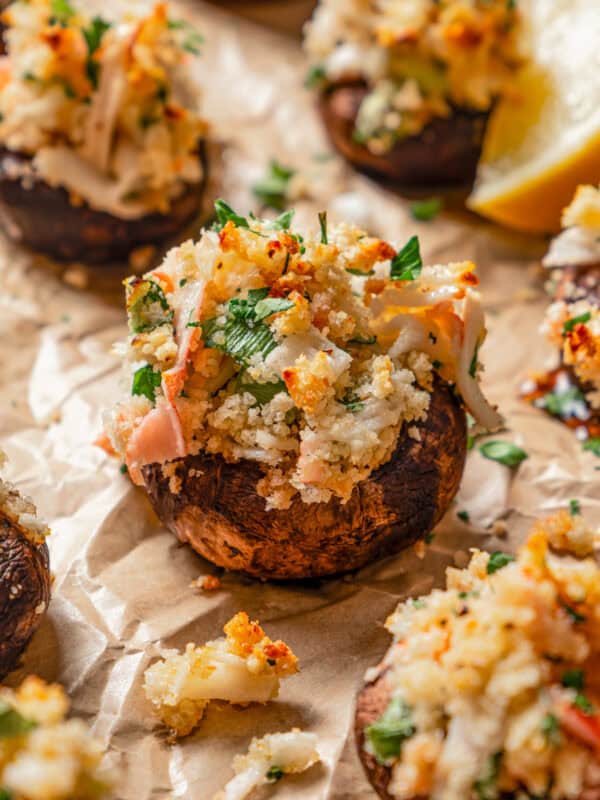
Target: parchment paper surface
[121,589]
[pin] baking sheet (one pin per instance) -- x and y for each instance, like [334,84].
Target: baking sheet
[121,590]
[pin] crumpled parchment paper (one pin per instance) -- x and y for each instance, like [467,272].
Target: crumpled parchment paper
[121,591]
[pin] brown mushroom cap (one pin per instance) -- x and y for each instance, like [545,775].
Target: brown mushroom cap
[445,152]
[218,511]
[44,218]
[24,589]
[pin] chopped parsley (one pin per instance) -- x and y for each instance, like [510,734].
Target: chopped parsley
[387,734]
[274,774]
[5,794]
[580,320]
[224,214]
[145,382]
[284,221]
[323,226]
[419,603]
[497,560]
[244,333]
[574,679]
[426,210]
[272,189]
[473,364]
[61,11]
[486,787]
[183,282]
[592,445]
[583,704]
[12,723]
[315,76]
[463,515]
[503,452]
[263,393]
[550,727]
[352,402]
[574,508]
[561,403]
[407,263]
[147,305]
[123,469]
[363,340]
[360,272]
[93,37]
[191,40]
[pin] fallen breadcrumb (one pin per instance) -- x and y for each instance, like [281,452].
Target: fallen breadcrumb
[244,666]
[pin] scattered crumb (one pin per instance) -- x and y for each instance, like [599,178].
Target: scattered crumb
[500,528]
[76,276]
[206,583]
[420,549]
[141,257]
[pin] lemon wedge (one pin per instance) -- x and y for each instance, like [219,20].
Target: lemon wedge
[544,139]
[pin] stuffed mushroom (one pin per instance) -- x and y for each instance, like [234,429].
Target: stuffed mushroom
[297,403]
[490,689]
[405,89]
[571,391]
[102,148]
[24,574]
[44,755]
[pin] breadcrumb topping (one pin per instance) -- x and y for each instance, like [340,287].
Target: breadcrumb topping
[493,682]
[310,354]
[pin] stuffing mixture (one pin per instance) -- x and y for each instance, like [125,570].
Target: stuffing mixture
[244,666]
[494,681]
[43,755]
[308,354]
[20,510]
[105,108]
[419,60]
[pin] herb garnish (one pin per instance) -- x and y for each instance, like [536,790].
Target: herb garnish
[274,774]
[486,787]
[561,404]
[147,305]
[575,615]
[263,393]
[407,263]
[225,214]
[592,445]
[192,40]
[575,679]
[497,561]
[363,340]
[284,221]
[463,515]
[360,272]
[387,734]
[581,319]
[473,364]
[574,508]
[503,452]
[550,727]
[62,11]
[315,76]
[244,333]
[12,723]
[93,37]
[145,382]
[352,402]
[5,794]
[426,210]
[272,189]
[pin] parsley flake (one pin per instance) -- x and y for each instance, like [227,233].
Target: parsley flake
[498,560]
[387,734]
[272,189]
[274,774]
[407,263]
[426,210]
[580,320]
[323,226]
[145,382]
[503,452]
[12,723]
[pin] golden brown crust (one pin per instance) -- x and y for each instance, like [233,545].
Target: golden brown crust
[24,589]
[218,511]
[445,152]
[43,218]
